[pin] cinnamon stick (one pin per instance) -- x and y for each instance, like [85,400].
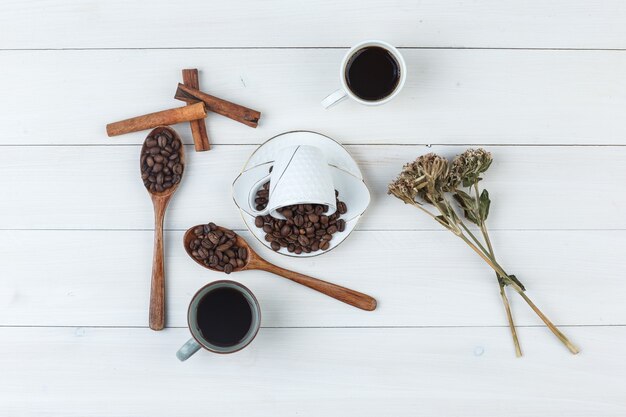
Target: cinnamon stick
[198,127]
[225,108]
[152,120]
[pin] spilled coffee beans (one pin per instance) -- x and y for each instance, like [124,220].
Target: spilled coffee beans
[217,248]
[306,228]
[161,162]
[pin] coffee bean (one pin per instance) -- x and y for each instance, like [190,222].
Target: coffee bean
[217,248]
[225,246]
[305,227]
[214,238]
[155,169]
[285,230]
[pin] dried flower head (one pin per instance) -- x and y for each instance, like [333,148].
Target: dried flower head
[467,167]
[426,178]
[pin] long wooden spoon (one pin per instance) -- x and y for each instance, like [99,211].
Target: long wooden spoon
[160,200]
[255,261]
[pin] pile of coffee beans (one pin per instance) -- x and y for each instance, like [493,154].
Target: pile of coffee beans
[161,164]
[216,247]
[306,228]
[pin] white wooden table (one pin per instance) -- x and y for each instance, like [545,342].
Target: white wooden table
[541,84]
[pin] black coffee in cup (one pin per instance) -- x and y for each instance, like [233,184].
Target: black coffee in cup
[224,317]
[372,73]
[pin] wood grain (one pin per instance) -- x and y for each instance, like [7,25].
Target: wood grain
[450,96]
[198,127]
[494,72]
[531,188]
[410,274]
[366,372]
[156,317]
[160,201]
[284,23]
[256,262]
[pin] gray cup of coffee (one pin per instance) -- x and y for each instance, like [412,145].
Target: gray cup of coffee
[223,317]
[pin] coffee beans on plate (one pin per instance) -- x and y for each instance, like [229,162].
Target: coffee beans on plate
[161,161]
[306,227]
[217,248]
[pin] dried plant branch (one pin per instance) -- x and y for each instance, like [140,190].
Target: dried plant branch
[432,180]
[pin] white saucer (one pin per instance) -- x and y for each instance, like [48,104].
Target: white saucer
[336,154]
[346,174]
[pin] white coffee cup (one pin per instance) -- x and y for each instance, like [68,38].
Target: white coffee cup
[345,91]
[300,175]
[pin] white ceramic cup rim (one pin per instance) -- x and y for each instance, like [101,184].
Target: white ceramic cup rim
[396,54]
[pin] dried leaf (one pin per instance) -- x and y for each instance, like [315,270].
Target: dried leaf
[514,279]
[468,204]
[442,220]
[483,205]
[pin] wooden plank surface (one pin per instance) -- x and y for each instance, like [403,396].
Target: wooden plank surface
[451,96]
[539,82]
[98,187]
[325,23]
[83,278]
[365,372]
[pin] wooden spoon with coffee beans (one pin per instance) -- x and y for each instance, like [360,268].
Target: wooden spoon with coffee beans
[221,249]
[162,163]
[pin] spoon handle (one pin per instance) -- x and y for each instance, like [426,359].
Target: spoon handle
[346,295]
[157,284]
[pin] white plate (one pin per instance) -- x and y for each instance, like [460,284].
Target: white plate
[347,179]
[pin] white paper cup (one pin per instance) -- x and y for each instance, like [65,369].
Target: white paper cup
[300,175]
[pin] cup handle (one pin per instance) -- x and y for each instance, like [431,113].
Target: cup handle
[187,350]
[252,196]
[334,98]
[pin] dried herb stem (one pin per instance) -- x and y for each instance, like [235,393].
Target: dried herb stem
[432,179]
[503,296]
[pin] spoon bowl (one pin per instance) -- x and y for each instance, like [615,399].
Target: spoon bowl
[181,151]
[160,200]
[255,262]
